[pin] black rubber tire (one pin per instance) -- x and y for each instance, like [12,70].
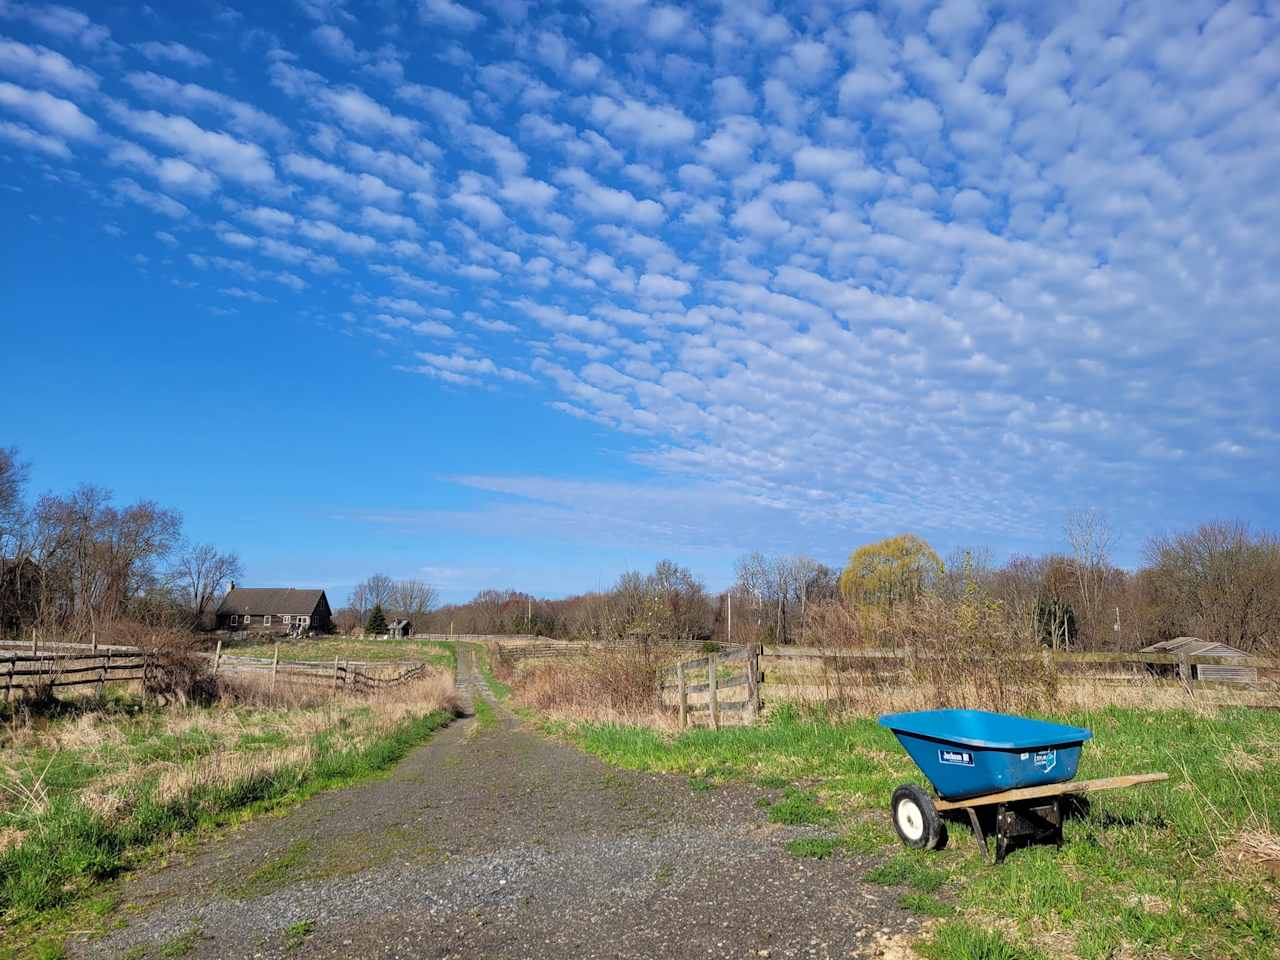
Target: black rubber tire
[915,820]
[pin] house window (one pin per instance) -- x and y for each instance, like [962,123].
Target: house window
[287,618]
[266,619]
[234,620]
[304,620]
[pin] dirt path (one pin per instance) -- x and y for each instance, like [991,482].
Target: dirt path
[494,842]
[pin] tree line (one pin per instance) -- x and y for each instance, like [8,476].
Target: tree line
[1219,582]
[78,565]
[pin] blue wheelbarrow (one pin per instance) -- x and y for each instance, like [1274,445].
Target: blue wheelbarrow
[976,760]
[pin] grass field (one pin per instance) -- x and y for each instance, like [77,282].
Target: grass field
[324,648]
[96,789]
[1178,869]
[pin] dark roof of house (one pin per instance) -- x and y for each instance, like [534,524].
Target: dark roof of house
[260,600]
[1194,646]
[397,624]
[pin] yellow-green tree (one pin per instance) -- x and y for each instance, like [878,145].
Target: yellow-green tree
[895,570]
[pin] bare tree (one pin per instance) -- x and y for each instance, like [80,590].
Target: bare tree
[1090,537]
[1219,582]
[414,597]
[200,574]
[96,558]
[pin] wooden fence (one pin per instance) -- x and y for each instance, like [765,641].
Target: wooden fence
[717,688]
[739,685]
[57,665]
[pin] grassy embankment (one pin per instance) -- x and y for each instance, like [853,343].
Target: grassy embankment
[100,788]
[1179,869]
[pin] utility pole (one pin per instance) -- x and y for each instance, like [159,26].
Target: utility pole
[728,599]
[1117,626]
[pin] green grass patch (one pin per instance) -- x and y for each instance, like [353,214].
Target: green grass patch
[295,935]
[963,941]
[813,848]
[180,945]
[277,872]
[49,950]
[908,868]
[925,905]
[797,808]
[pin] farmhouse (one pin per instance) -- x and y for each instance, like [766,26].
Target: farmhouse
[274,608]
[400,628]
[1194,646]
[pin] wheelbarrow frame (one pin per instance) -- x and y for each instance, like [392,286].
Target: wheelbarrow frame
[1034,812]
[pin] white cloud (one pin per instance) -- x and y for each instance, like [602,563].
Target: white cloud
[665,288]
[358,111]
[330,234]
[44,67]
[60,117]
[234,159]
[392,223]
[364,186]
[449,14]
[62,22]
[335,43]
[243,118]
[172,173]
[642,123]
[156,202]
[23,136]
[608,203]
[172,52]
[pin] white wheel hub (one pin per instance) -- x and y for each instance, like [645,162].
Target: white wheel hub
[910,819]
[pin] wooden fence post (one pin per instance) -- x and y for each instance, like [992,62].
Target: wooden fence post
[217,658]
[713,663]
[753,683]
[335,677]
[684,696]
[275,665]
[102,675]
[8,683]
[1184,673]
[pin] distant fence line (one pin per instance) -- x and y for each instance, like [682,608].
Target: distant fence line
[57,665]
[739,684]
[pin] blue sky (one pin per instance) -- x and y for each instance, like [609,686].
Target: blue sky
[503,294]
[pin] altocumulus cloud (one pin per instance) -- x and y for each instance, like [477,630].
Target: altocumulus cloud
[940,267]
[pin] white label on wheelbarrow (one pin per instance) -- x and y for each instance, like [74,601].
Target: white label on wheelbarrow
[962,757]
[1046,760]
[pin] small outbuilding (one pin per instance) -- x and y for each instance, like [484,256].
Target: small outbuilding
[1217,672]
[400,629]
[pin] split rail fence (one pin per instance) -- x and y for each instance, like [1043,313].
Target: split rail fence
[26,666]
[737,686]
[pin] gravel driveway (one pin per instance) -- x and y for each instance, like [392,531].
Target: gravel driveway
[495,842]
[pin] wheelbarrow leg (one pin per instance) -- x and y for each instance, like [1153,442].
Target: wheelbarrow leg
[977,833]
[1002,832]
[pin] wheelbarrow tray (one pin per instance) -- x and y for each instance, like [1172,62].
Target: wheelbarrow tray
[969,753]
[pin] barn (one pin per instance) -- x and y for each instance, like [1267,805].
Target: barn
[1217,672]
[400,628]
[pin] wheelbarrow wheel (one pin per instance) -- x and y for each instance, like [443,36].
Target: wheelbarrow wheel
[915,819]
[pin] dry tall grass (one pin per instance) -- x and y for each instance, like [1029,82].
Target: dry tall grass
[609,686]
[247,707]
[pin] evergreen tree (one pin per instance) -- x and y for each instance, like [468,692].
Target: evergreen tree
[377,624]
